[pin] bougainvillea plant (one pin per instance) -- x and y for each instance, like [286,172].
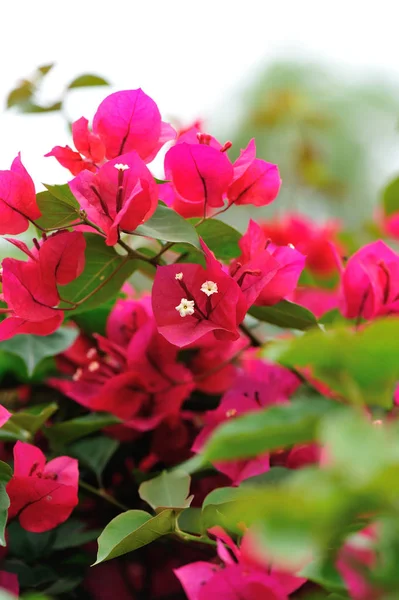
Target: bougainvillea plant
[190,411]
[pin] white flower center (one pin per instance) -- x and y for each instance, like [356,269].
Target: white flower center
[291,246]
[121,167]
[93,366]
[179,276]
[186,307]
[209,288]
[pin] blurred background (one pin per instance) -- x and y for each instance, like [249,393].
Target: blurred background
[317,84]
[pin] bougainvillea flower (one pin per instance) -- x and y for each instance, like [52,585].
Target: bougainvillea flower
[370,282]
[17,199]
[128,316]
[120,196]
[356,555]
[90,150]
[270,272]
[130,120]
[238,577]
[9,582]
[30,288]
[318,243]
[199,173]
[142,385]
[167,193]
[42,495]
[255,181]
[317,300]
[185,309]
[261,385]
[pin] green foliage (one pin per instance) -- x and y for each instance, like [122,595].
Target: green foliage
[101,262]
[87,80]
[276,427]
[361,366]
[34,348]
[285,314]
[32,418]
[165,224]
[5,476]
[58,206]
[131,530]
[69,431]
[168,490]
[94,452]
[390,197]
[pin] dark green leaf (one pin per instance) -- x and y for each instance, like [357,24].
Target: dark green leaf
[101,262]
[5,476]
[190,520]
[32,418]
[276,427]
[72,534]
[11,432]
[33,348]
[324,574]
[68,431]
[165,224]
[131,530]
[168,490]
[87,80]
[285,314]
[390,198]
[95,452]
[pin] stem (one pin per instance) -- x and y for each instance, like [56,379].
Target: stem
[103,494]
[165,248]
[188,537]
[252,338]
[50,229]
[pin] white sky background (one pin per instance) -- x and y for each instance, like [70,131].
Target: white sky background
[191,56]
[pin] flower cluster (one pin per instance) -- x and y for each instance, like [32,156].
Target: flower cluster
[125,394]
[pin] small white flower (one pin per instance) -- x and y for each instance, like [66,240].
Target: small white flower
[77,375]
[186,307]
[179,276]
[209,288]
[93,366]
[121,167]
[91,353]
[291,246]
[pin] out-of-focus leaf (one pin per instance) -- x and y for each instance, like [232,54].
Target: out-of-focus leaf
[95,452]
[285,314]
[32,107]
[168,490]
[68,431]
[32,418]
[87,80]
[276,427]
[21,94]
[34,348]
[131,530]
[165,224]
[5,476]
[72,534]
[390,198]
[361,366]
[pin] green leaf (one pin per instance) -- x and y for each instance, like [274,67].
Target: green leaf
[34,348]
[32,107]
[32,418]
[11,432]
[165,224]
[101,262]
[285,314]
[21,94]
[324,573]
[68,431]
[87,80]
[95,452]
[5,476]
[131,530]
[217,503]
[276,427]
[221,238]
[72,534]
[361,366]
[58,206]
[390,197]
[44,69]
[168,490]
[190,520]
